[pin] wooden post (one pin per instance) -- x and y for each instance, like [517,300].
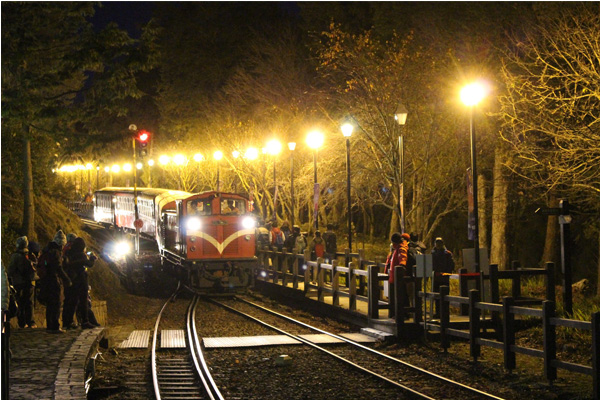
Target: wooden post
[295,270]
[346,264]
[284,268]
[596,353]
[516,283]
[550,282]
[306,271]
[444,317]
[548,309]
[463,283]
[510,360]
[352,289]
[495,297]
[335,283]
[362,286]
[373,285]
[275,267]
[474,322]
[320,280]
[418,299]
[399,297]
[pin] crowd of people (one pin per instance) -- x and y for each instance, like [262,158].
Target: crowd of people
[47,276]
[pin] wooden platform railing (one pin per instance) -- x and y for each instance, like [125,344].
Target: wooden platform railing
[508,345]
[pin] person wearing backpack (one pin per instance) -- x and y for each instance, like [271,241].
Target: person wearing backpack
[330,239]
[317,246]
[22,275]
[277,237]
[52,276]
[76,296]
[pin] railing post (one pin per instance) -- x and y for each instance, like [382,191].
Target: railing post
[550,282]
[510,360]
[306,271]
[335,283]
[373,285]
[275,267]
[352,289]
[346,264]
[418,300]
[516,283]
[474,322]
[596,354]
[399,298]
[548,310]
[463,283]
[295,270]
[362,285]
[495,298]
[444,317]
[284,268]
[320,279]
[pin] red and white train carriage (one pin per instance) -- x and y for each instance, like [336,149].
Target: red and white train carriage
[211,235]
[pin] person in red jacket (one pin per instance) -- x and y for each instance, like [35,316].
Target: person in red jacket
[397,257]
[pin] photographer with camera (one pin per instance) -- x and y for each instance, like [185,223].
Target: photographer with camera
[77,261]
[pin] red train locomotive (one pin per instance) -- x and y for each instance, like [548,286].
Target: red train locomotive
[210,236]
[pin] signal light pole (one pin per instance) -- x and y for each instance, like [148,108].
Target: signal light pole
[143,137]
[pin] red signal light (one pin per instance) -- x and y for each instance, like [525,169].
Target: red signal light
[144,136]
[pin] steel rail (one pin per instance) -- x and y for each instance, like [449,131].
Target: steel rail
[154,340]
[298,338]
[202,369]
[404,363]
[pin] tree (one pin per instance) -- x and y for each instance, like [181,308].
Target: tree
[59,77]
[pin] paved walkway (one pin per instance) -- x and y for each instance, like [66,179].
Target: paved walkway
[51,366]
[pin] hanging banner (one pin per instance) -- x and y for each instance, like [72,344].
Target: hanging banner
[401,200]
[471,214]
[275,202]
[316,201]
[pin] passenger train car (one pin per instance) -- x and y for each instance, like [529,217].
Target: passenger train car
[209,236]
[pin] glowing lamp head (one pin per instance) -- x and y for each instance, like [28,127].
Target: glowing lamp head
[127,167]
[251,153]
[235,154]
[472,94]
[274,147]
[88,166]
[314,140]
[150,162]
[292,146]
[106,169]
[218,155]
[164,159]
[347,129]
[139,165]
[116,168]
[198,157]
[179,159]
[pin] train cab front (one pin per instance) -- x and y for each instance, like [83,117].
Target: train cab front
[219,241]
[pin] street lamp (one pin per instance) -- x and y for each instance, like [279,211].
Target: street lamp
[347,129]
[218,155]
[471,95]
[314,140]
[164,159]
[400,116]
[273,148]
[292,147]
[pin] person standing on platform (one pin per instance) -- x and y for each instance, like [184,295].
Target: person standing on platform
[50,281]
[76,297]
[21,272]
[397,257]
[317,246]
[442,263]
[330,239]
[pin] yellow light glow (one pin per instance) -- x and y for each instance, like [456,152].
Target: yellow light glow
[198,157]
[292,146]
[88,166]
[274,147]
[164,159]
[126,167]
[235,154]
[251,153]
[472,94]
[218,155]
[150,162]
[116,168]
[179,159]
[106,169]
[347,129]
[315,139]
[139,165]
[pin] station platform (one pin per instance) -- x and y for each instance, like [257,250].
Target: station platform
[52,366]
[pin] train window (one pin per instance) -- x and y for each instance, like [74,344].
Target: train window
[199,207]
[232,207]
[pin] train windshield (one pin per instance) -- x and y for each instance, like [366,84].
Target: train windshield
[199,207]
[232,207]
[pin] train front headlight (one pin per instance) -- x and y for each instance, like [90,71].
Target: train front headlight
[248,223]
[193,224]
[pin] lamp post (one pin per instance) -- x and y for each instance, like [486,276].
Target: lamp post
[347,129]
[471,95]
[314,140]
[273,148]
[292,147]
[150,165]
[218,155]
[400,117]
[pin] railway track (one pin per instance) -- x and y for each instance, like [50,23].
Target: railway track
[182,373]
[413,381]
